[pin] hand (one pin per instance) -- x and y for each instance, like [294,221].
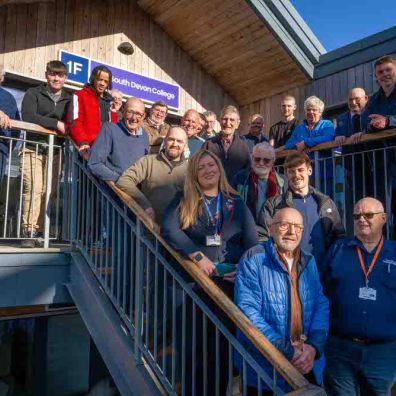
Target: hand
[304,362]
[205,265]
[150,213]
[5,121]
[61,127]
[340,140]
[300,146]
[230,277]
[356,137]
[84,151]
[378,121]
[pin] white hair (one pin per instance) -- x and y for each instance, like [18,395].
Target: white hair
[265,146]
[230,109]
[314,101]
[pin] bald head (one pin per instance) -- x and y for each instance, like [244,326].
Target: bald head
[286,230]
[133,114]
[369,219]
[191,122]
[357,100]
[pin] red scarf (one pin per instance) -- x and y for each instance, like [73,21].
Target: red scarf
[272,188]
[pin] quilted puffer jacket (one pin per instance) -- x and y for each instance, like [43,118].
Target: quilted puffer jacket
[262,293]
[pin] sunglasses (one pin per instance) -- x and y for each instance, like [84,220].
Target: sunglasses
[366,216]
[265,161]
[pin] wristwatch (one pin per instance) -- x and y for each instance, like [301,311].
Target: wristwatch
[198,257]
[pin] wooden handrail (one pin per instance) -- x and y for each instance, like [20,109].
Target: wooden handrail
[276,358]
[367,137]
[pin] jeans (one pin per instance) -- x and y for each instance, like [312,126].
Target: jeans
[359,369]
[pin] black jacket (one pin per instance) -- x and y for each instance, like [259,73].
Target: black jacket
[332,226]
[40,109]
[236,158]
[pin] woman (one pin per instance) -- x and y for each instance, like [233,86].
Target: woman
[213,227]
[210,224]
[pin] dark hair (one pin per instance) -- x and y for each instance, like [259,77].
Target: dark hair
[97,70]
[160,103]
[384,59]
[56,66]
[297,159]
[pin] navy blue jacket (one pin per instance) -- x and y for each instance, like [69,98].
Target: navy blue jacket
[238,231]
[345,128]
[8,106]
[115,150]
[263,294]
[386,106]
[342,277]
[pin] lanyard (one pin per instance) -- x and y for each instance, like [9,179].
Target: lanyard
[214,220]
[373,261]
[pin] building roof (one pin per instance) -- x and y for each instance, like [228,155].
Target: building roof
[253,48]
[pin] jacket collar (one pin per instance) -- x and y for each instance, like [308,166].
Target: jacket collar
[317,196]
[42,88]
[162,157]
[122,125]
[353,242]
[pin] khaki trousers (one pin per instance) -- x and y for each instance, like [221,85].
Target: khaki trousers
[34,171]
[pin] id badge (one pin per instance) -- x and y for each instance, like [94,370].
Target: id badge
[213,240]
[367,293]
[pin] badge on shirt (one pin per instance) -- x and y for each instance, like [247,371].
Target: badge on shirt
[367,293]
[213,240]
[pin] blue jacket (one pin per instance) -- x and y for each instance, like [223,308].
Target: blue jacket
[386,106]
[342,277]
[115,150]
[262,292]
[8,106]
[322,133]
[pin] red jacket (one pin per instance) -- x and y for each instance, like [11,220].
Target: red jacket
[84,116]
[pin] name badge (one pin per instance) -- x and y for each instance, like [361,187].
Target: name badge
[367,293]
[213,240]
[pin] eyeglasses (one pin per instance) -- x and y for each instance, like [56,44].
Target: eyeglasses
[366,216]
[284,226]
[265,161]
[138,115]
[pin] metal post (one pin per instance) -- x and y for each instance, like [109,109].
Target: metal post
[74,190]
[48,190]
[138,293]
[317,169]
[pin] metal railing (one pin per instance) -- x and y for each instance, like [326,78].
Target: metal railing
[348,177]
[30,191]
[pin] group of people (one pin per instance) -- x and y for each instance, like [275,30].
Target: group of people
[268,239]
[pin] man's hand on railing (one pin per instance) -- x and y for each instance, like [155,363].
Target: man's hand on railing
[300,146]
[5,121]
[84,151]
[303,360]
[61,128]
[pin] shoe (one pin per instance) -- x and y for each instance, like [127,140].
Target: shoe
[31,240]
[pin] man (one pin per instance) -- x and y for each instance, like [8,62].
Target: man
[47,106]
[160,176]
[155,125]
[117,103]
[280,132]
[210,123]
[90,109]
[191,122]
[354,122]
[228,145]
[119,146]
[382,105]
[8,111]
[278,288]
[322,222]
[359,279]
[255,134]
[261,182]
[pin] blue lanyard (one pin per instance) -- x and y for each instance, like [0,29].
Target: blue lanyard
[214,220]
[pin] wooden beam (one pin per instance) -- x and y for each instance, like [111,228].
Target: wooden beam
[6,2]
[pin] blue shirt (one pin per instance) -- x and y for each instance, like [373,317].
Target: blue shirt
[342,276]
[312,240]
[8,106]
[322,133]
[115,150]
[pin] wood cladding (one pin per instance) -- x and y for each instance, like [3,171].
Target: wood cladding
[33,34]
[231,43]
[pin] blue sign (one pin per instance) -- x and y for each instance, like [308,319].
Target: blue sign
[130,84]
[77,67]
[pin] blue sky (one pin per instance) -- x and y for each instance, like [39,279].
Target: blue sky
[340,22]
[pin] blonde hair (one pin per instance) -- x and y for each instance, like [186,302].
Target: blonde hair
[191,204]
